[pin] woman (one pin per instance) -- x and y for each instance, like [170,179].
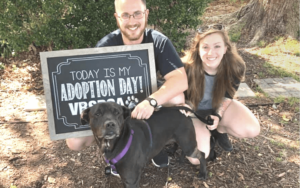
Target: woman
[214,71]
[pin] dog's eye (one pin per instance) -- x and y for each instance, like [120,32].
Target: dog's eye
[116,112]
[98,114]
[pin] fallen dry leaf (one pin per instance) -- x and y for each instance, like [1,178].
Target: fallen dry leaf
[280,175]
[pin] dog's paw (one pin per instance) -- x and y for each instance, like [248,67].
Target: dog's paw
[202,176]
[131,102]
[212,155]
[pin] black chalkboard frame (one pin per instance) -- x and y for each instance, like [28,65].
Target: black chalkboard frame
[48,90]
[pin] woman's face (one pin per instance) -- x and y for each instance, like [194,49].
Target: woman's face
[211,50]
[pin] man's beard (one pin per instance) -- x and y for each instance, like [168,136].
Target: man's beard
[134,38]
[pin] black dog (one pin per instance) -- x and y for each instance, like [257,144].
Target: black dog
[114,130]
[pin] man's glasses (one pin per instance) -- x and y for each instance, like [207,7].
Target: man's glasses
[136,15]
[208,27]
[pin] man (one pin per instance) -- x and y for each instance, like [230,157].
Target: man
[132,18]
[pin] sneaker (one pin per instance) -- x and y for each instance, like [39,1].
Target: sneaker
[223,140]
[161,159]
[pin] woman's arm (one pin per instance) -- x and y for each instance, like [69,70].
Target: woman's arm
[223,106]
[217,116]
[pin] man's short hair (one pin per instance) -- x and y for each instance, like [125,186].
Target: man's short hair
[143,1]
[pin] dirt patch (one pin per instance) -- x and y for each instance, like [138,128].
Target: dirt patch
[29,159]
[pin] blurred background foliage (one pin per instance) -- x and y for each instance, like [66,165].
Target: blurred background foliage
[74,24]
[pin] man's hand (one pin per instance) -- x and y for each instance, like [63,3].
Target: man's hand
[143,110]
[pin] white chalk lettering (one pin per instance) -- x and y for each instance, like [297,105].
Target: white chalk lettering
[77,107]
[98,88]
[73,108]
[103,88]
[111,87]
[91,74]
[124,70]
[71,91]
[84,75]
[85,89]
[109,72]
[82,106]
[96,72]
[127,86]
[120,101]
[141,84]
[92,88]
[100,101]
[122,84]
[64,96]
[78,91]
[92,103]
[72,74]
[134,81]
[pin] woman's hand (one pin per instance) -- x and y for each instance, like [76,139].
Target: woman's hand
[216,123]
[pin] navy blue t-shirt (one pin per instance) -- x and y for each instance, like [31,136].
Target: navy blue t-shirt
[166,57]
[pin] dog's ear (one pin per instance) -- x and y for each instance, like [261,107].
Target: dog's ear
[126,112]
[84,116]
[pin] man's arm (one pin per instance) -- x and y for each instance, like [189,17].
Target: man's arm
[175,84]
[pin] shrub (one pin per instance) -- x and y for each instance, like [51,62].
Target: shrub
[5,49]
[73,24]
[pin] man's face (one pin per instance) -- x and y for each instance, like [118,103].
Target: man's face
[132,29]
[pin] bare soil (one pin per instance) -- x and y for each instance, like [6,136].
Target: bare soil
[29,159]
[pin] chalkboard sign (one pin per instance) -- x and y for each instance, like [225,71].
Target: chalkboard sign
[77,79]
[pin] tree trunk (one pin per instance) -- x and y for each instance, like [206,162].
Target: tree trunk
[267,18]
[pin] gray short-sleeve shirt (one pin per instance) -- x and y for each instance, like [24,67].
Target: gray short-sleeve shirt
[206,102]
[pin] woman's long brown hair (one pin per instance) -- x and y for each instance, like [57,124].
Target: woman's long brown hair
[231,68]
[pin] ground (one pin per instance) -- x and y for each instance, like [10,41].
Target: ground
[29,159]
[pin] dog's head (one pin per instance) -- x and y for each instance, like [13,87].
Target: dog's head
[105,119]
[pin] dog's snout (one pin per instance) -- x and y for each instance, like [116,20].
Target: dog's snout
[110,124]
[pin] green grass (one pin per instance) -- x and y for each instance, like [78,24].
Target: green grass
[281,45]
[261,75]
[278,71]
[235,32]
[2,67]
[292,46]
[278,144]
[261,43]
[259,89]
[279,99]
[234,37]
[282,56]
[293,100]
[259,92]
[283,122]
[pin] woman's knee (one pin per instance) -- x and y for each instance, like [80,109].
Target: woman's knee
[80,143]
[193,161]
[253,130]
